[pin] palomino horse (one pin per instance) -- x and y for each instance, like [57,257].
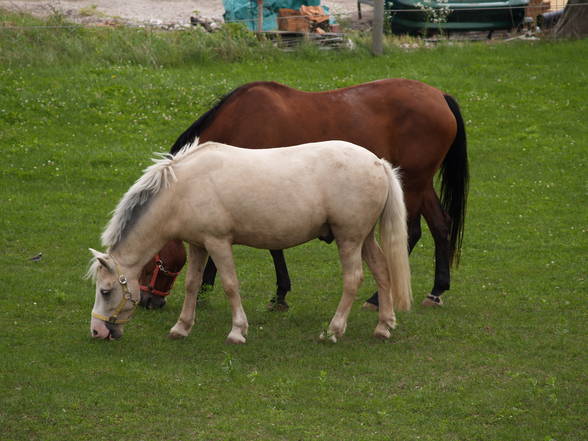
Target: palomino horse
[221,195]
[414,126]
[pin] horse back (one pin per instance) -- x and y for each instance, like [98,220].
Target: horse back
[406,122]
[278,197]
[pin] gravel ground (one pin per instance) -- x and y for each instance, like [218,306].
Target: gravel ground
[150,11]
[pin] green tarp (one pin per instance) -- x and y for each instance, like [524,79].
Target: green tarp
[418,16]
[245,11]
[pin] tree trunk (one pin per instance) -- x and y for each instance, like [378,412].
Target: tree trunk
[574,22]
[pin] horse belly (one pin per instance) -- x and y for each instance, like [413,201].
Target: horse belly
[277,225]
[277,239]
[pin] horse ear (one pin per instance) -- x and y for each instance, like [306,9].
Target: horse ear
[102,258]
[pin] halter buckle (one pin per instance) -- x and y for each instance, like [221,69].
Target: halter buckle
[122,279]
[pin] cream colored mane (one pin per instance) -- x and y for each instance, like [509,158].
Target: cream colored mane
[136,199]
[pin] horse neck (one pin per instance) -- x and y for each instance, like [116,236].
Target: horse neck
[139,246]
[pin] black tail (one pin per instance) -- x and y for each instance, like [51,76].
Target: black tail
[455,177]
[200,125]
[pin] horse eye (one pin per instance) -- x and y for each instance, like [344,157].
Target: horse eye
[105,292]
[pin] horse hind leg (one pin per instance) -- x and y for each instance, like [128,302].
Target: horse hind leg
[222,254]
[376,261]
[197,258]
[350,255]
[207,282]
[278,302]
[414,235]
[439,225]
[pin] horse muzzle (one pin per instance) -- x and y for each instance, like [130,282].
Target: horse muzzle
[151,301]
[102,330]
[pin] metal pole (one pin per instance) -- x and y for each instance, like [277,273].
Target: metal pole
[378,28]
[259,15]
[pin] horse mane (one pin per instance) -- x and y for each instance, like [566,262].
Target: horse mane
[196,129]
[137,198]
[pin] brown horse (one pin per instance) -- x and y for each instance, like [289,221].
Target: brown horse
[416,127]
[158,276]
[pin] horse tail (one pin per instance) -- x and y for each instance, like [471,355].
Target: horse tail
[454,176]
[394,237]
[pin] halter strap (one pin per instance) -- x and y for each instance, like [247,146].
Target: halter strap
[127,297]
[158,271]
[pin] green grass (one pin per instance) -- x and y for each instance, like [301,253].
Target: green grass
[28,41]
[505,359]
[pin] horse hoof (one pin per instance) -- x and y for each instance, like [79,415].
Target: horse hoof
[177,332]
[235,339]
[279,307]
[432,301]
[274,305]
[328,337]
[370,306]
[382,334]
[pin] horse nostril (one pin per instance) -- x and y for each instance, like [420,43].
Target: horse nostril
[94,332]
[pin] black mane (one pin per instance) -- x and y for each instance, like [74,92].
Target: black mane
[201,124]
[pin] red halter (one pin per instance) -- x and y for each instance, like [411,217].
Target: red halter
[169,275]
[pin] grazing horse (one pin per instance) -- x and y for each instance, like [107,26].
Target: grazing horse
[158,276]
[221,195]
[414,126]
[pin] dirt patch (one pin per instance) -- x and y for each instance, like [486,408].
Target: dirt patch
[153,12]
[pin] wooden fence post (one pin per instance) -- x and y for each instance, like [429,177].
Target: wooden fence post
[378,28]
[259,15]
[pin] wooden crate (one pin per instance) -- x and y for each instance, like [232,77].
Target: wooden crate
[292,21]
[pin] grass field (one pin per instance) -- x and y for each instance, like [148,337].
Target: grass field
[505,359]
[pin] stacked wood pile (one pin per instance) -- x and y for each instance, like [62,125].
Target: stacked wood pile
[305,19]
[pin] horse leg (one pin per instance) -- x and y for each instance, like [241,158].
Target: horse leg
[414,232]
[222,254]
[209,275]
[196,260]
[278,302]
[374,257]
[350,256]
[414,235]
[439,224]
